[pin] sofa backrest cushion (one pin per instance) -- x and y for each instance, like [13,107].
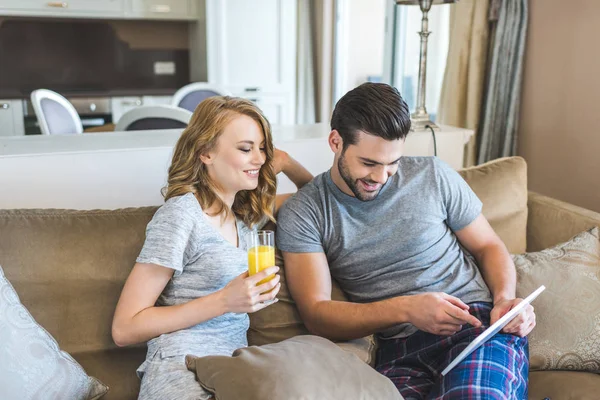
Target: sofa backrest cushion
[69,267]
[502,187]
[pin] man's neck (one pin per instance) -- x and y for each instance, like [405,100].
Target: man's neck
[338,181]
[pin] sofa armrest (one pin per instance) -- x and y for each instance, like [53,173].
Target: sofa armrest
[552,221]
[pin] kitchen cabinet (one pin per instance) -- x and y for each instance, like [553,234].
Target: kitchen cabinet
[163,9]
[107,9]
[63,9]
[157,100]
[11,118]
[120,105]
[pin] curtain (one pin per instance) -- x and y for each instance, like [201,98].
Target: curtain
[464,77]
[305,90]
[315,61]
[500,116]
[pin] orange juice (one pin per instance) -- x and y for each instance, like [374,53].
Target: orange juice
[259,258]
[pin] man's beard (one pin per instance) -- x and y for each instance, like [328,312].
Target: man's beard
[353,184]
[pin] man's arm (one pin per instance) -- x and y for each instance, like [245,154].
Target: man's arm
[498,271]
[295,171]
[309,282]
[492,257]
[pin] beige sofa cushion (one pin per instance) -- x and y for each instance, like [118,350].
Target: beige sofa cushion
[551,221]
[116,366]
[62,262]
[33,365]
[318,370]
[567,335]
[69,268]
[502,187]
[563,385]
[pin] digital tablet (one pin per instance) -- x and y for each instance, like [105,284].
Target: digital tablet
[492,330]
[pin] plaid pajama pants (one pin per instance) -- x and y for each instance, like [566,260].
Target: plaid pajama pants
[496,370]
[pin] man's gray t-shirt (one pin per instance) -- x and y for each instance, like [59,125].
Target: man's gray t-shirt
[400,243]
[181,237]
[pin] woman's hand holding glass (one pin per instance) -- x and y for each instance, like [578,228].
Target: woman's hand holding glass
[244,295]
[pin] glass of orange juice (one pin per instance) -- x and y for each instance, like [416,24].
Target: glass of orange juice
[261,252]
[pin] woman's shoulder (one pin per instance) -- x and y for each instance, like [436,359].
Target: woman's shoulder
[180,206]
[184,201]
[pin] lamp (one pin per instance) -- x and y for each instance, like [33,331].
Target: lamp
[420,118]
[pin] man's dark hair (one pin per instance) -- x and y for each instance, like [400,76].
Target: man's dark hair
[374,108]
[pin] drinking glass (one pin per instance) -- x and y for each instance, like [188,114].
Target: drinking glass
[261,252]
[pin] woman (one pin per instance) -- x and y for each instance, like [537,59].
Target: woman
[189,291]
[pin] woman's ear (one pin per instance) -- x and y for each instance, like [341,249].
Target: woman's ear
[207,158]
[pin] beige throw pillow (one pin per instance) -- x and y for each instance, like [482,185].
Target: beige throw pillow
[501,185]
[32,365]
[303,367]
[567,335]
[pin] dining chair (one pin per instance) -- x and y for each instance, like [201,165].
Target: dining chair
[191,95]
[153,117]
[55,114]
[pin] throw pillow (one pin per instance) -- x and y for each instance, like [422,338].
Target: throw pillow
[501,185]
[33,366]
[303,367]
[567,334]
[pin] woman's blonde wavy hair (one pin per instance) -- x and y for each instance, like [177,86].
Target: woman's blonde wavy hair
[188,174]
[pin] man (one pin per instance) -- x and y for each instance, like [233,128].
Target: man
[406,240]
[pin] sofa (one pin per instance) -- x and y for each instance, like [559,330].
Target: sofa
[68,268]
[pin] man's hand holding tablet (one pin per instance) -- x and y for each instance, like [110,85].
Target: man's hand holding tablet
[495,328]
